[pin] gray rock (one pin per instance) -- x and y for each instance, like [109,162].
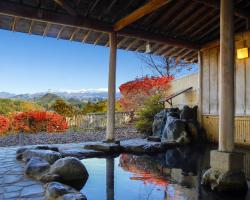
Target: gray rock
[141,146]
[55,190]
[44,147]
[82,153]
[19,152]
[154,138]
[225,181]
[78,196]
[49,178]
[48,155]
[159,123]
[104,147]
[36,167]
[188,113]
[69,169]
[175,130]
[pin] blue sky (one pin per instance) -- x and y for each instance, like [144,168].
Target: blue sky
[32,64]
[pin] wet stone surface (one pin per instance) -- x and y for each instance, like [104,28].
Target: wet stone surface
[13,183]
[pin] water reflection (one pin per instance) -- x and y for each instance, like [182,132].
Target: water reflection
[175,175]
[110,166]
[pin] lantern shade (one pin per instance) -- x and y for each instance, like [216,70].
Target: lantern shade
[242,53]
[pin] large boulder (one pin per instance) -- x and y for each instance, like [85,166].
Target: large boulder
[19,152]
[159,123]
[48,155]
[36,167]
[225,181]
[175,130]
[59,191]
[69,169]
[188,113]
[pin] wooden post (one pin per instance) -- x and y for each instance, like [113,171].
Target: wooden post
[111,87]
[226,77]
[200,87]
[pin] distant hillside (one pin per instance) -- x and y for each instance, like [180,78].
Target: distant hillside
[47,100]
[8,106]
[82,95]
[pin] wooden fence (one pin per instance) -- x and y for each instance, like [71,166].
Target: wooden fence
[98,120]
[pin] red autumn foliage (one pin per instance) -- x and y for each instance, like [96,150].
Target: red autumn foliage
[4,124]
[38,121]
[135,92]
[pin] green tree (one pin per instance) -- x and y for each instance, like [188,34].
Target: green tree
[100,106]
[63,108]
[146,112]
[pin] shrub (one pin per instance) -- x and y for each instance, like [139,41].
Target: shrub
[38,122]
[146,112]
[4,124]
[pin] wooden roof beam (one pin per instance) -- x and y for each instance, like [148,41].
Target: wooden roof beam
[149,7]
[59,33]
[45,32]
[66,7]
[85,37]
[216,4]
[13,26]
[131,44]
[74,33]
[26,12]
[30,28]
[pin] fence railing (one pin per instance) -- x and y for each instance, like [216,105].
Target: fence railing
[98,120]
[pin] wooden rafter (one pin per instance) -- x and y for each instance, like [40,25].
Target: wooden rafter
[184,55]
[131,44]
[168,52]
[45,32]
[74,33]
[141,46]
[186,23]
[66,7]
[168,16]
[107,9]
[149,7]
[216,4]
[177,19]
[12,9]
[122,41]
[30,28]
[98,38]
[59,33]
[92,7]
[13,26]
[159,50]
[178,53]
[85,37]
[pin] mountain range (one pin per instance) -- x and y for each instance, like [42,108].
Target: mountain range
[84,94]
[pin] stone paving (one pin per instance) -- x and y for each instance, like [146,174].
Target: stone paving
[13,183]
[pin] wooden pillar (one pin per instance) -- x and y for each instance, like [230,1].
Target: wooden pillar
[200,88]
[111,87]
[226,77]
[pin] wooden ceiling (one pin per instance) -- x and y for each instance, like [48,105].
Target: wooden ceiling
[176,28]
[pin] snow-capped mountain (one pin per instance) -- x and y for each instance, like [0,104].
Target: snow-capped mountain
[83,94]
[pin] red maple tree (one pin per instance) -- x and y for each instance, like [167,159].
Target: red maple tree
[134,93]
